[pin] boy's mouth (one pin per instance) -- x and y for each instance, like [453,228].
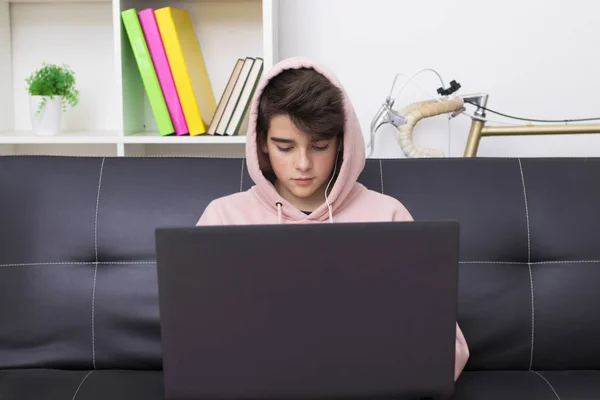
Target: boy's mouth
[303,181]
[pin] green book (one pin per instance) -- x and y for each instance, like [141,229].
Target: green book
[147,71]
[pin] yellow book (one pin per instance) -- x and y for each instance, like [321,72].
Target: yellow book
[188,68]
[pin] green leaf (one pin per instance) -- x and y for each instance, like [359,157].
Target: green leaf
[53,80]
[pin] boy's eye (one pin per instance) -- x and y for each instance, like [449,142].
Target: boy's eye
[316,147]
[320,148]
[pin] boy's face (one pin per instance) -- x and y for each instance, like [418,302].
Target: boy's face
[303,167]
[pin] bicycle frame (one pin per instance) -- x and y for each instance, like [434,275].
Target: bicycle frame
[409,116]
[479,129]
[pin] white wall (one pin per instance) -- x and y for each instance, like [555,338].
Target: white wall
[536,58]
[86,47]
[6,107]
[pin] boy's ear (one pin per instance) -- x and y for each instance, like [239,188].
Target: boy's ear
[264,147]
[262,143]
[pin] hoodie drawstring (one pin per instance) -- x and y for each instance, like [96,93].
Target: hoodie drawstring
[278,213]
[279,206]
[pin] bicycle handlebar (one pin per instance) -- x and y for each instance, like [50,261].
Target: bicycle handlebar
[415,112]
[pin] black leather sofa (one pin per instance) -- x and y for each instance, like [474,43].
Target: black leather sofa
[78,291]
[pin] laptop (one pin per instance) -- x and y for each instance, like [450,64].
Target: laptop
[308,311]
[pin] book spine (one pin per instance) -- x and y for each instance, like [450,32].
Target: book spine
[163,70]
[148,73]
[177,62]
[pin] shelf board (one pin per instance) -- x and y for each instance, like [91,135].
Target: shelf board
[28,137]
[79,137]
[58,1]
[155,138]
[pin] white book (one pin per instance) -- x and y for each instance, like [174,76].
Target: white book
[243,103]
[235,95]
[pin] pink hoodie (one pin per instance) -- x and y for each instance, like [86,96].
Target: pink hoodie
[350,201]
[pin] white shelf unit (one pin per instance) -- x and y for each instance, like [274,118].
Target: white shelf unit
[113,117]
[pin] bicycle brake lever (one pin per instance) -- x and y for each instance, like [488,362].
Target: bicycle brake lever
[385,115]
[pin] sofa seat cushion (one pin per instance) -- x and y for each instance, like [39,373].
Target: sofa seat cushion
[53,384]
[528,385]
[148,385]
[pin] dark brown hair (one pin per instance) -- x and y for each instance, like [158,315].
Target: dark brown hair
[312,102]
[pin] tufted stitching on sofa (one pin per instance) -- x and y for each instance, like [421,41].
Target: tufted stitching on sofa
[526,213]
[242,177]
[548,383]
[81,384]
[381,174]
[41,264]
[532,263]
[529,265]
[96,265]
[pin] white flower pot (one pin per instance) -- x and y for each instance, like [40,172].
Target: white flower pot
[48,121]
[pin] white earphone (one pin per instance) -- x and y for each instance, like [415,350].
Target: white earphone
[337,156]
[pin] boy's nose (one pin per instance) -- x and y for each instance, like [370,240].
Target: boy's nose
[303,161]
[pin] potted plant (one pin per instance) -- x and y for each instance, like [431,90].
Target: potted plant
[51,89]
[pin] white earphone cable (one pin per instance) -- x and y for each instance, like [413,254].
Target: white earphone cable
[327,188]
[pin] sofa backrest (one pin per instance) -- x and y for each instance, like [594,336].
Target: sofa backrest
[78,280]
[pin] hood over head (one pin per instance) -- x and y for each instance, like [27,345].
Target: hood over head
[353,145]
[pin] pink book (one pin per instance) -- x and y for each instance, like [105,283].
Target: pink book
[163,70]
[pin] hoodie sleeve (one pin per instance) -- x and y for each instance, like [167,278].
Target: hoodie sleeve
[462,353]
[210,216]
[400,213]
